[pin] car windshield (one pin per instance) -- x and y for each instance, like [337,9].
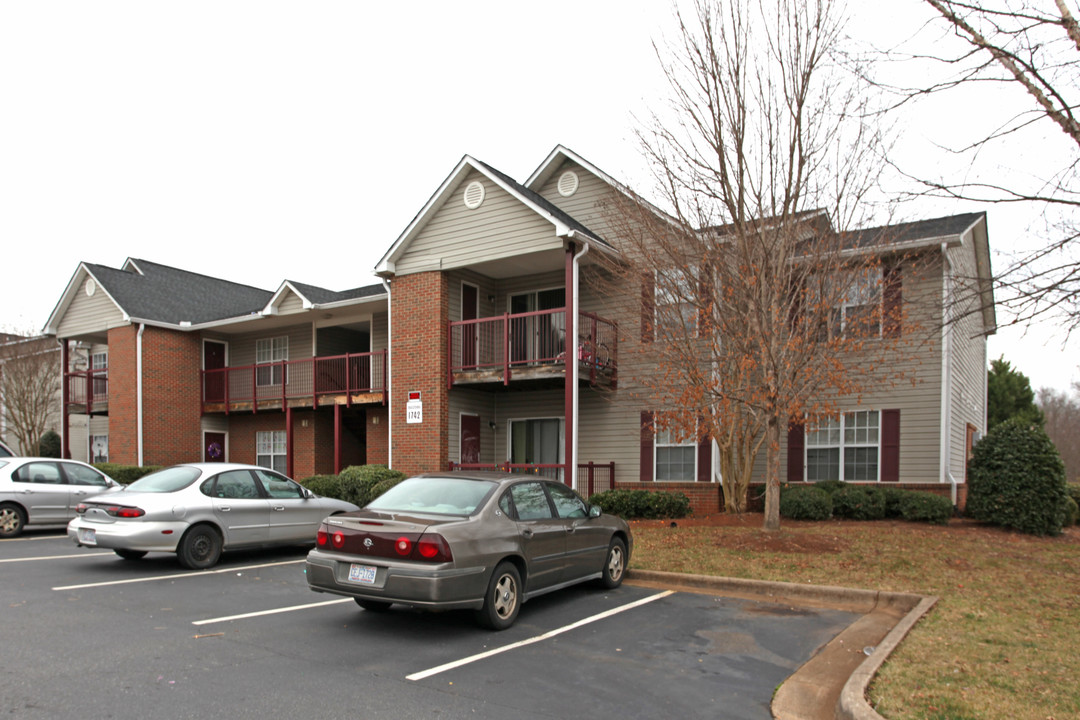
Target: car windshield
[166,480]
[436,495]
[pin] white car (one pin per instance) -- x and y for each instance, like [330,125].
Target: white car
[45,491]
[198,510]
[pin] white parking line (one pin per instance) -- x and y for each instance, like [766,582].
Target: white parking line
[269,612]
[175,576]
[53,557]
[36,537]
[538,638]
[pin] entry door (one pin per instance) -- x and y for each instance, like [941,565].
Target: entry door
[470,310]
[470,439]
[213,447]
[537,442]
[214,359]
[538,337]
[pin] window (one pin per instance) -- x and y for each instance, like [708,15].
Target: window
[279,487]
[537,442]
[567,503]
[41,473]
[81,475]
[99,448]
[271,350]
[530,501]
[99,364]
[236,485]
[676,293]
[859,311]
[844,448]
[270,449]
[676,457]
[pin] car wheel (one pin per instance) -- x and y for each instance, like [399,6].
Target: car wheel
[12,520]
[614,564]
[200,548]
[503,599]
[373,605]
[130,554]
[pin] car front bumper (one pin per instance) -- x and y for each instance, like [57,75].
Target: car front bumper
[442,588]
[147,536]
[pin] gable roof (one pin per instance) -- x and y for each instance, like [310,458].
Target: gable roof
[313,296]
[920,232]
[564,224]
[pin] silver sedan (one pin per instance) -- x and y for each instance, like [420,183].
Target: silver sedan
[201,509]
[481,541]
[45,491]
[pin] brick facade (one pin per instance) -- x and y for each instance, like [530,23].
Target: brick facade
[706,498]
[123,400]
[420,309]
[171,397]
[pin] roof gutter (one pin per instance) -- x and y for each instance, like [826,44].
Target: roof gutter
[946,370]
[389,374]
[575,390]
[139,391]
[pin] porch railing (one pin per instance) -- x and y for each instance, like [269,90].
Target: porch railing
[591,477]
[88,387]
[506,342]
[296,380]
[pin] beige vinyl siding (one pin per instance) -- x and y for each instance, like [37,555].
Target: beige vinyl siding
[90,314]
[380,325]
[473,402]
[457,237]
[968,357]
[242,347]
[609,430]
[486,287]
[592,204]
[291,303]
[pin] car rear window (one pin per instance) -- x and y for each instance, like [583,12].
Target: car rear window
[166,480]
[434,495]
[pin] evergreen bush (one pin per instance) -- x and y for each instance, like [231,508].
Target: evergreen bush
[858,503]
[807,502]
[1016,479]
[642,504]
[926,507]
[126,474]
[49,445]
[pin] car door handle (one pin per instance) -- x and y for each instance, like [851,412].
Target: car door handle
[527,533]
[224,508]
[279,508]
[570,530]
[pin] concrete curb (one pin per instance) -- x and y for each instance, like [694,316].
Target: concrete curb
[888,617]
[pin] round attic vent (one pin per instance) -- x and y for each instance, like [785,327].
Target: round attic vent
[90,286]
[568,183]
[474,194]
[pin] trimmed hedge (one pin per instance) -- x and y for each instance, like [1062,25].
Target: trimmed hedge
[1072,512]
[1016,479]
[858,503]
[805,503]
[926,507]
[126,474]
[642,504]
[358,484]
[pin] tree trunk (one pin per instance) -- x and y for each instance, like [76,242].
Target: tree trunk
[772,476]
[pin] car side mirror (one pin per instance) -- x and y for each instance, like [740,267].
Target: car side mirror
[308,495]
[595,511]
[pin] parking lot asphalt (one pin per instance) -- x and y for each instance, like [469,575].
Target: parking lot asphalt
[88,635]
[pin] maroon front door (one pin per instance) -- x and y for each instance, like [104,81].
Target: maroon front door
[214,360]
[470,439]
[213,447]
[470,301]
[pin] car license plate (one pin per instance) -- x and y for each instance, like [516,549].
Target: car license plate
[88,537]
[363,574]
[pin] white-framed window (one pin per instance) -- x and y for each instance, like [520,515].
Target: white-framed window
[271,350]
[537,441]
[99,448]
[99,363]
[675,456]
[674,300]
[270,449]
[845,448]
[859,311]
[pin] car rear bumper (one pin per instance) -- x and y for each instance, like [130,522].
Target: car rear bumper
[442,589]
[148,536]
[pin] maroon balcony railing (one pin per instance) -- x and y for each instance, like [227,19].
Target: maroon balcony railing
[506,342]
[279,383]
[592,477]
[89,388]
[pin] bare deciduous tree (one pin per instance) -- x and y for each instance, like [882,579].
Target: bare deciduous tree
[30,387]
[757,306]
[1031,47]
[1061,411]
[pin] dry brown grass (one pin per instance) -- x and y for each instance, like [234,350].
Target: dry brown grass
[1002,642]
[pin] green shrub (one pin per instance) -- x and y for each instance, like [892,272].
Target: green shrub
[1072,512]
[323,485]
[831,486]
[358,484]
[643,504]
[926,507]
[1073,491]
[1016,479]
[49,445]
[126,474]
[858,503]
[805,503]
[893,497]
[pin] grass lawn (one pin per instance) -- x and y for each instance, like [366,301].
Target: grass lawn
[1002,643]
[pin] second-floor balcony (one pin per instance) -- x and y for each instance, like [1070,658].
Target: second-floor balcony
[355,378]
[87,391]
[530,346]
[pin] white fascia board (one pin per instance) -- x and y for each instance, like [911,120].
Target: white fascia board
[351,301]
[73,287]
[133,265]
[285,287]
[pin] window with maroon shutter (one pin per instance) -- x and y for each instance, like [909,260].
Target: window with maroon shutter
[704,460]
[796,443]
[892,302]
[646,473]
[890,446]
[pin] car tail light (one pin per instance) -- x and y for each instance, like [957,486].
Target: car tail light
[80,508]
[403,545]
[433,548]
[125,512]
[322,538]
[338,539]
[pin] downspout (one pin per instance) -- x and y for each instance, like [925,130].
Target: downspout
[946,372]
[138,392]
[575,392]
[389,374]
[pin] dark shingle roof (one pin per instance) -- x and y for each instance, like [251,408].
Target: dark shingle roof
[321,296]
[948,226]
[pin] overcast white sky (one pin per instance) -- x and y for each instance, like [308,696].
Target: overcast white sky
[260,141]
